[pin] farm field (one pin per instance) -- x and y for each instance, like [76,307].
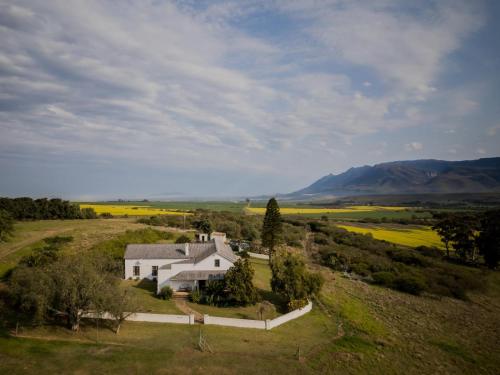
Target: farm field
[131,210]
[412,236]
[357,328]
[177,206]
[304,210]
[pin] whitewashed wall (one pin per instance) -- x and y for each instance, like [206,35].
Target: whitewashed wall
[259,324]
[146,266]
[147,317]
[233,322]
[290,316]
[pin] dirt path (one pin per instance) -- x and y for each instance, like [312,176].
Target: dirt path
[180,302]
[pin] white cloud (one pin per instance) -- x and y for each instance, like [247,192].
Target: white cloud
[172,84]
[414,146]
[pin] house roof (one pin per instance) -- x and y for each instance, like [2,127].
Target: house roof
[199,275]
[197,251]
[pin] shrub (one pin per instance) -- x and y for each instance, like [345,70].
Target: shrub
[166,293]
[361,269]
[106,215]
[409,284]
[195,296]
[408,257]
[183,239]
[427,251]
[383,278]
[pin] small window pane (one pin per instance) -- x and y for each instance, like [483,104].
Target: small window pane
[137,270]
[154,271]
[217,263]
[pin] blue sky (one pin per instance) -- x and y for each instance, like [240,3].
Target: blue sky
[114,99]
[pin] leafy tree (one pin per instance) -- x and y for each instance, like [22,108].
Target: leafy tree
[215,293]
[291,279]
[239,284]
[272,227]
[183,239]
[88,213]
[203,225]
[47,254]
[32,291]
[81,287]
[445,228]
[120,306]
[489,238]
[6,225]
[464,237]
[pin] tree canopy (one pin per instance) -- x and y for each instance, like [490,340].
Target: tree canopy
[272,227]
[6,225]
[292,280]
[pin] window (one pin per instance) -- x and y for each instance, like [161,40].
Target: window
[217,263]
[137,270]
[154,271]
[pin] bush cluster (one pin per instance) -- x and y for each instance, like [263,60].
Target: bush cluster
[413,271]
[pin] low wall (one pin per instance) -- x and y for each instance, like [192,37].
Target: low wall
[259,324]
[258,256]
[147,317]
[233,322]
[290,316]
[211,320]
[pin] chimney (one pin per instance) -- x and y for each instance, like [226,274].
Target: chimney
[186,249]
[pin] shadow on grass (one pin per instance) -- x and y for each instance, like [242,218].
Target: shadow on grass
[275,299]
[148,285]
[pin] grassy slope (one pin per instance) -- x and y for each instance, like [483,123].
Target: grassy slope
[145,294]
[385,332]
[86,233]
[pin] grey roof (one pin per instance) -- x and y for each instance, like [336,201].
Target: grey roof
[199,275]
[197,251]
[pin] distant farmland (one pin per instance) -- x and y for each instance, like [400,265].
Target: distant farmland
[131,210]
[412,236]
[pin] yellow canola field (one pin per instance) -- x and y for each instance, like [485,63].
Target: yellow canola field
[298,210]
[423,236]
[121,210]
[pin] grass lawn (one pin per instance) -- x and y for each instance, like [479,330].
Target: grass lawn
[144,291]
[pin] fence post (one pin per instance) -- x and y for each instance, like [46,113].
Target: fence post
[191,318]
[268,324]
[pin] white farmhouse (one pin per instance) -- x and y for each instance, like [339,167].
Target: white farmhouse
[185,266]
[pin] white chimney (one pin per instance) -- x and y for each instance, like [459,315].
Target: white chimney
[186,249]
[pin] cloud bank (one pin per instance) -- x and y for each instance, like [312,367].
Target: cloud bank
[288,89]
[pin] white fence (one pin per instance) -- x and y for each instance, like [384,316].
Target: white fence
[147,317]
[259,324]
[290,316]
[258,256]
[212,320]
[234,322]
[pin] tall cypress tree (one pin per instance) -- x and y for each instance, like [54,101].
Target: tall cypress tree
[272,228]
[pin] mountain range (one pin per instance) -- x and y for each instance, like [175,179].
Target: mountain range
[409,177]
